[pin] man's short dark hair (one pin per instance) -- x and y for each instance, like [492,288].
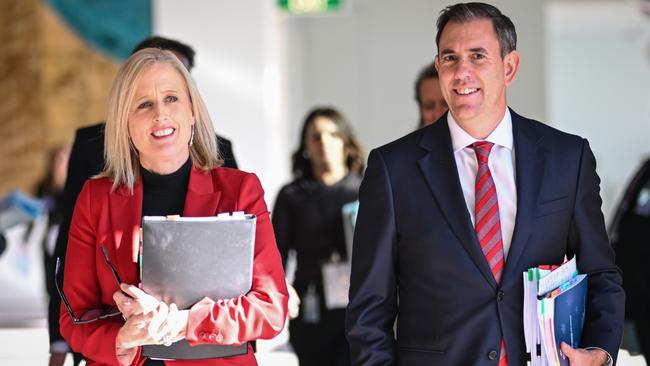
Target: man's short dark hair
[168,44]
[465,12]
[429,72]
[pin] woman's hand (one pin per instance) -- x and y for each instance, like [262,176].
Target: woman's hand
[144,328]
[294,302]
[162,326]
[132,301]
[177,320]
[155,327]
[148,321]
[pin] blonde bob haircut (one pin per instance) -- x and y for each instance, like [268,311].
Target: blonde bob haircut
[122,163]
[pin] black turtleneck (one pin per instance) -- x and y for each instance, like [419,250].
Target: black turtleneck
[165,194]
[162,195]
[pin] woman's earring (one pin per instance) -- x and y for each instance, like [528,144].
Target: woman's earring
[192,137]
[305,154]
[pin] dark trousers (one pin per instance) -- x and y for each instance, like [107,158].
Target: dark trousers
[323,343]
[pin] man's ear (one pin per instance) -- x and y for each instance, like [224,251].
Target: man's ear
[436,62]
[510,66]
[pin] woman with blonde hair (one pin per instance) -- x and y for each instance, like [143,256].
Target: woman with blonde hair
[161,159]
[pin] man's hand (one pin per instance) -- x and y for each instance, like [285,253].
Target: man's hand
[583,357]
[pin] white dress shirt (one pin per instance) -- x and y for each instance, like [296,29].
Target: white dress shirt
[502,167]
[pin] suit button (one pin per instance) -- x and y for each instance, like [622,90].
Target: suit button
[500,295]
[493,355]
[212,337]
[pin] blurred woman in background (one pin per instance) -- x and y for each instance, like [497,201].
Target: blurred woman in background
[307,219]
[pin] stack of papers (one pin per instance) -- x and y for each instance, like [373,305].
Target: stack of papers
[554,312]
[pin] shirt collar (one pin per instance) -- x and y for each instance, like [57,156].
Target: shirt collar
[502,135]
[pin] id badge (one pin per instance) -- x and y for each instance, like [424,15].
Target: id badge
[310,306]
[336,284]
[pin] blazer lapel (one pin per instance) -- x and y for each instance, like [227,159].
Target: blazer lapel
[438,167]
[202,197]
[126,216]
[529,165]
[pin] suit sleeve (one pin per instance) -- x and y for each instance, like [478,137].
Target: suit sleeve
[95,340]
[259,314]
[226,153]
[75,178]
[373,289]
[603,325]
[282,225]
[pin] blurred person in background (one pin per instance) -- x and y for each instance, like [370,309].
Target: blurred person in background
[307,219]
[431,103]
[630,235]
[161,159]
[86,160]
[50,190]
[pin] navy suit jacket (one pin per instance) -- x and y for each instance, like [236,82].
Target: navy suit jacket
[414,241]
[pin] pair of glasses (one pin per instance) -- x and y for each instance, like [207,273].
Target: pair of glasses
[92,315]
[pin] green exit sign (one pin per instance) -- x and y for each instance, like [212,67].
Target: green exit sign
[310,6]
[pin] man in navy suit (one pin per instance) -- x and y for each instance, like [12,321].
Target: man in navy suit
[452,214]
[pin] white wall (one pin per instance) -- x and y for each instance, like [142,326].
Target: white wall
[260,70]
[584,64]
[239,68]
[598,67]
[365,62]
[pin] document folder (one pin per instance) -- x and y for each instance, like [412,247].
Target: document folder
[555,301]
[184,259]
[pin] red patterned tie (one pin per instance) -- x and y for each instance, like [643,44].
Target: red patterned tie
[488,224]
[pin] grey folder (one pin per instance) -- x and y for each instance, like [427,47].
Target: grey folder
[186,259]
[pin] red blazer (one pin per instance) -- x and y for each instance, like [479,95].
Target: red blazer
[113,219]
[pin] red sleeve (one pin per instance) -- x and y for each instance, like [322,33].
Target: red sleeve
[261,313]
[95,340]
